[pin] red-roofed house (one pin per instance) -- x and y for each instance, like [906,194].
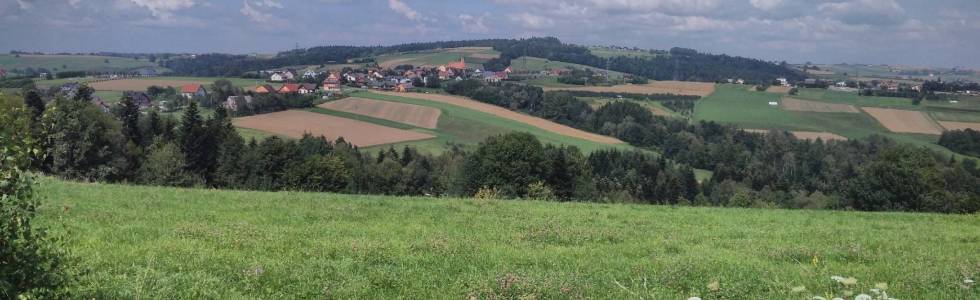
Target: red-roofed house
[458,65]
[193,90]
[265,89]
[289,88]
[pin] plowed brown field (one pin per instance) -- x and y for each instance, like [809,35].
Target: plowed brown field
[415,115]
[906,121]
[949,125]
[294,123]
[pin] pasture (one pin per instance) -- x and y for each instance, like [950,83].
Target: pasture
[474,57]
[154,242]
[295,123]
[815,106]
[415,115]
[534,64]
[61,63]
[654,87]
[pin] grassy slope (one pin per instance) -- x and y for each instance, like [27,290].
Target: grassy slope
[535,64]
[609,52]
[73,63]
[207,81]
[465,126]
[179,243]
[438,57]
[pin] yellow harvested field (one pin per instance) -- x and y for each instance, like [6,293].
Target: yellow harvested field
[415,115]
[654,87]
[778,89]
[816,106]
[138,84]
[294,123]
[949,125]
[905,121]
[806,135]
[509,114]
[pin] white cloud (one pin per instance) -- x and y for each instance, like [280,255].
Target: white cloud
[163,8]
[877,12]
[475,24]
[256,15]
[406,11]
[531,21]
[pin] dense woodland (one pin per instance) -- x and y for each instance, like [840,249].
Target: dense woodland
[765,169]
[678,64]
[966,142]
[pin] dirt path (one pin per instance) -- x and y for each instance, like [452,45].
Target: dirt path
[415,115]
[906,121]
[509,114]
[294,123]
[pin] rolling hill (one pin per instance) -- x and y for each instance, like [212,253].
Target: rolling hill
[137,241]
[60,63]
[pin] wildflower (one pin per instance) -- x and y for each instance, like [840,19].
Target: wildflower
[881,286]
[694,298]
[863,297]
[799,289]
[849,281]
[818,298]
[968,281]
[876,291]
[714,286]
[837,278]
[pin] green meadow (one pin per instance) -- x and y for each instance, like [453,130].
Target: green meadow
[153,242]
[535,64]
[474,57]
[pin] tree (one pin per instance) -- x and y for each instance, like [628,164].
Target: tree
[192,138]
[82,142]
[509,162]
[319,173]
[164,165]
[34,102]
[31,266]
[130,117]
[83,93]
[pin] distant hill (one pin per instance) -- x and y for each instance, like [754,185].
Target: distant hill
[31,64]
[678,64]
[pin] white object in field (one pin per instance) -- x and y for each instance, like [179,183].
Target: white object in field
[773,103]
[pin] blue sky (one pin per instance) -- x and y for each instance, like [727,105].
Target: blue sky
[935,33]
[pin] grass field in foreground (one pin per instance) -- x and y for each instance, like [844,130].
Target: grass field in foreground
[149,242]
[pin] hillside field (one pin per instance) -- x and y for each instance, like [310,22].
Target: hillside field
[535,64]
[474,57]
[150,242]
[60,63]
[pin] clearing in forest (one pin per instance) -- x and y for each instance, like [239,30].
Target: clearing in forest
[294,123]
[905,121]
[509,114]
[415,115]
[654,87]
[815,106]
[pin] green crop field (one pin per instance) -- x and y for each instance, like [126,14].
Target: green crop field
[60,63]
[151,242]
[733,104]
[535,64]
[463,126]
[474,57]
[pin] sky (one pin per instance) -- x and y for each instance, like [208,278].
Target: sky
[944,33]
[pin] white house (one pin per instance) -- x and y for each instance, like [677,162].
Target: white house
[277,77]
[783,81]
[310,74]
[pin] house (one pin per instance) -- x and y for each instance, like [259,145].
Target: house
[277,77]
[233,103]
[458,65]
[331,85]
[307,88]
[193,90]
[739,81]
[265,89]
[289,74]
[310,74]
[289,88]
[494,77]
[783,81]
[841,84]
[140,98]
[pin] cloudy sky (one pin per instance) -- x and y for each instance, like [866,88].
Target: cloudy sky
[911,32]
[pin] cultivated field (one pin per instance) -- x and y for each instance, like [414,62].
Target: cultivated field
[140,84]
[415,115]
[294,123]
[814,106]
[959,125]
[778,89]
[153,242]
[509,114]
[905,121]
[654,87]
[474,56]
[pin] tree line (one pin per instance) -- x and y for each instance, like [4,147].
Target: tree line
[966,142]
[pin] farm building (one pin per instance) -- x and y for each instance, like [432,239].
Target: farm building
[193,90]
[140,98]
[265,89]
[289,88]
[307,88]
